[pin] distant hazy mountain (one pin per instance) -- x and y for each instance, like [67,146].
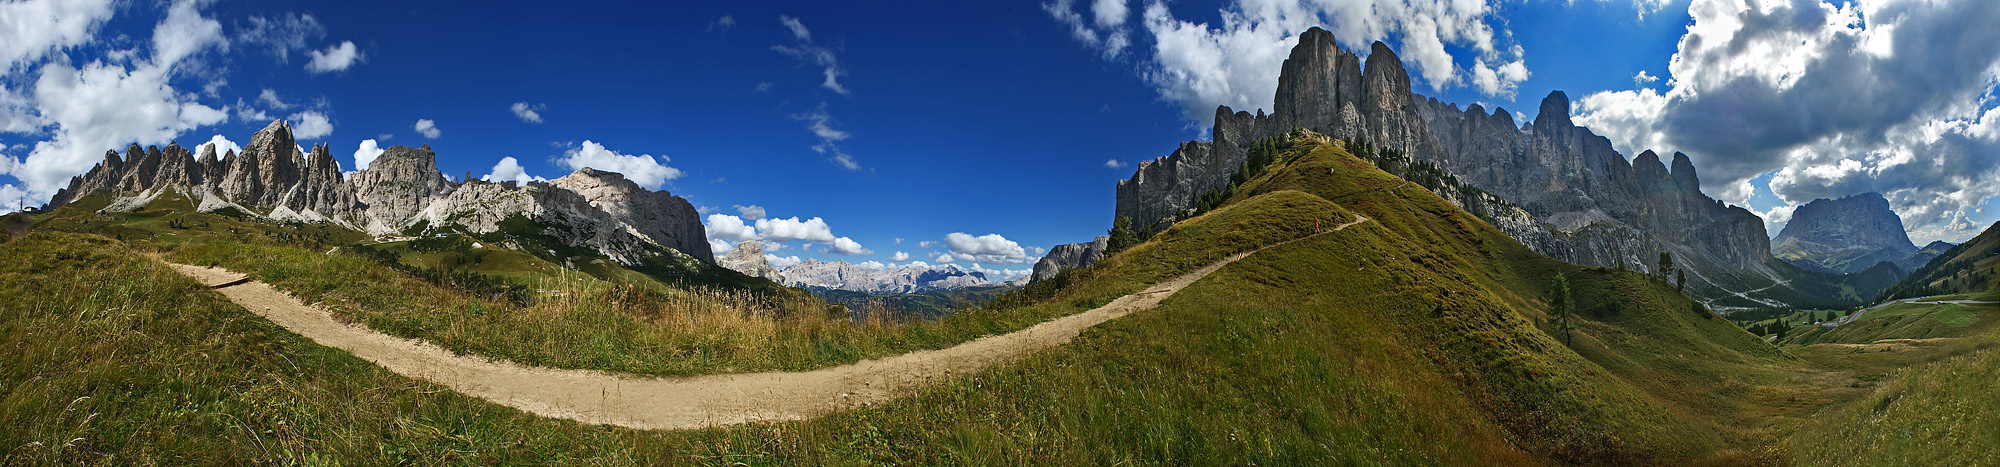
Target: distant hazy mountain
[840,275]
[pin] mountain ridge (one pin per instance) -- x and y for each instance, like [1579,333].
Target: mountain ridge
[1559,188]
[402,192]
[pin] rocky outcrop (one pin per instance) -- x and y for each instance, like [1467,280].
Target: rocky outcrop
[1323,88]
[1844,235]
[557,214]
[839,275]
[266,169]
[590,209]
[397,185]
[658,216]
[1069,256]
[748,258]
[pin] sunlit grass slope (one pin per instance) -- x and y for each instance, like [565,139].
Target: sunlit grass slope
[1419,337]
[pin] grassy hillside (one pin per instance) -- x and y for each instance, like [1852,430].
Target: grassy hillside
[1973,266]
[1937,364]
[1419,337]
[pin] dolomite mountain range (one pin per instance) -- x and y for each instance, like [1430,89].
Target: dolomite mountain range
[1556,187]
[274,178]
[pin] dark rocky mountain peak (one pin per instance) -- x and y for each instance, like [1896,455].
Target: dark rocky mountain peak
[1844,235]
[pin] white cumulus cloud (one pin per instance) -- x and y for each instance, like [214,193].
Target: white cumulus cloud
[510,169]
[848,246]
[366,153]
[644,169]
[731,228]
[751,212]
[334,58]
[223,146]
[428,128]
[310,124]
[528,113]
[989,248]
[899,256]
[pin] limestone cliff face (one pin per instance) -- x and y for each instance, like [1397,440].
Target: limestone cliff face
[591,209]
[658,216]
[571,217]
[398,184]
[748,258]
[1324,88]
[1069,256]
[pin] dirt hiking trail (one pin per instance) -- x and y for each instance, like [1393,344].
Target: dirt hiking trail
[689,402]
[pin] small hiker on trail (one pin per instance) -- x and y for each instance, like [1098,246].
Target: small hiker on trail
[1315,225]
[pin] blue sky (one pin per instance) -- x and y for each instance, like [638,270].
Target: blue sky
[1004,123]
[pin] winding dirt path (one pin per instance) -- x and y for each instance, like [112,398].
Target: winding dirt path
[680,403]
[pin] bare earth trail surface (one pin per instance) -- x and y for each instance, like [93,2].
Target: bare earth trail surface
[680,403]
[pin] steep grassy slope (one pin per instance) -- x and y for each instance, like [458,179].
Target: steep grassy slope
[1973,266]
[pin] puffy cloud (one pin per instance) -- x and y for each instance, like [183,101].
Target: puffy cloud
[528,113]
[848,246]
[367,152]
[1115,164]
[310,124]
[784,230]
[102,106]
[805,50]
[1890,97]
[510,169]
[751,212]
[718,245]
[428,128]
[821,125]
[185,32]
[927,244]
[644,169]
[223,146]
[781,262]
[334,57]
[723,24]
[944,258]
[899,256]
[34,28]
[989,248]
[1236,61]
[874,265]
[281,35]
[731,228]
